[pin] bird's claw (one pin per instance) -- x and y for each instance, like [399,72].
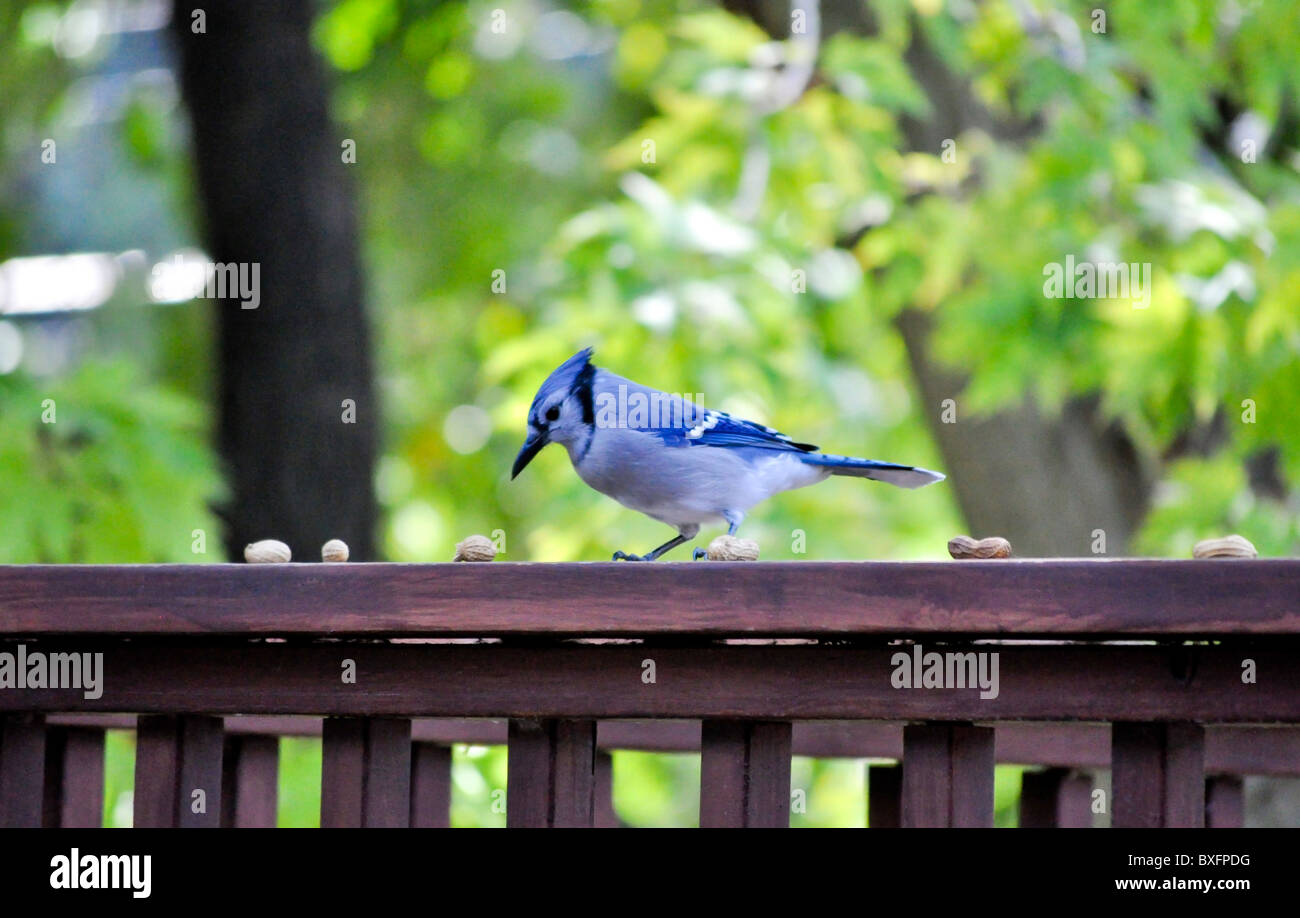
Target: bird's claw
[624,556]
[698,554]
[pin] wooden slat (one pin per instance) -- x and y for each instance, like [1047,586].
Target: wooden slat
[1158,775]
[251,782]
[175,756]
[745,774]
[551,773]
[22,769]
[606,816]
[1055,798]
[366,772]
[74,777]
[1250,750]
[910,599]
[769,682]
[947,776]
[430,786]
[574,801]
[528,774]
[884,796]
[1225,802]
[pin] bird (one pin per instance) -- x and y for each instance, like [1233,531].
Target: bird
[683,464]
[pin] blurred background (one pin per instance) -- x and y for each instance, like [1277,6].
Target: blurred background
[835,218]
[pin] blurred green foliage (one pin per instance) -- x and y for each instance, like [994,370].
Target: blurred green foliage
[637,197]
[94,477]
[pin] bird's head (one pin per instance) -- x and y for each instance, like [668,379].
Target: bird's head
[562,411]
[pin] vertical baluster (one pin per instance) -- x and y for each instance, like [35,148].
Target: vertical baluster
[251,782]
[430,786]
[947,776]
[1158,775]
[1225,802]
[366,772]
[884,796]
[1055,798]
[74,778]
[551,773]
[606,816]
[745,774]
[178,771]
[22,770]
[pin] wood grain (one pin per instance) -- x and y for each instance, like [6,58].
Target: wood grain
[174,757]
[767,682]
[947,776]
[910,599]
[22,770]
[74,777]
[250,775]
[366,773]
[1158,776]
[1244,750]
[744,775]
[551,773]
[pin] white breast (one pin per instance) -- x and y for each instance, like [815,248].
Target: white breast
[685,485]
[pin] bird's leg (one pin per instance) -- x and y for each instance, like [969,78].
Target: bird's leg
[670,544]
[733,523]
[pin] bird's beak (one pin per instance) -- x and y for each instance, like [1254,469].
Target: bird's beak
[532,446]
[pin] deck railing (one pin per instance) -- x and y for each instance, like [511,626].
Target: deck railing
[1167,671]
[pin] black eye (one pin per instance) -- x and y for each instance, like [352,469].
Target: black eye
[553,412]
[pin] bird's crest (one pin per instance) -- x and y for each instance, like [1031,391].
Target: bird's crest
[574,375]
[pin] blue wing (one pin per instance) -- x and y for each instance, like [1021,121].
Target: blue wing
[717,428]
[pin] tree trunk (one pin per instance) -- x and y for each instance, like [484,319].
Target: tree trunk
[274,191]
[1053,487]
[1046,484]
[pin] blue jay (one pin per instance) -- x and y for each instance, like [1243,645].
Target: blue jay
[681,464]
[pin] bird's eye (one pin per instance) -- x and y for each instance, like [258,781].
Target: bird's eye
[552,413]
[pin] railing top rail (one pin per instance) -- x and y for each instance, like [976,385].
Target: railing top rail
[1007,598]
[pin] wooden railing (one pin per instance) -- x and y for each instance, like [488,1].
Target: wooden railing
[1168,671]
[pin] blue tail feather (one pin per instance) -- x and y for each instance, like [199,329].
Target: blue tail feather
[904,476]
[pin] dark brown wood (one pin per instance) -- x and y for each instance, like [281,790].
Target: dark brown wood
[745,774]
[769,682]
[1055,798]
[1249,750]
[430,786]
[1158,775]
[22,769]
[551,773]
[884,796]
[1225,802]
[250,776]
[528,774]
[574,757]
[176,757]
[74,777]
[947,776]
[839,598]
[606,815]
[366,772]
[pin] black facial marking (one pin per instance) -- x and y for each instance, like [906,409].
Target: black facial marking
[582,389]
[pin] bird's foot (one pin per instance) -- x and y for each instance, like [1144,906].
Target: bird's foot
[698,554]
[624,556]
